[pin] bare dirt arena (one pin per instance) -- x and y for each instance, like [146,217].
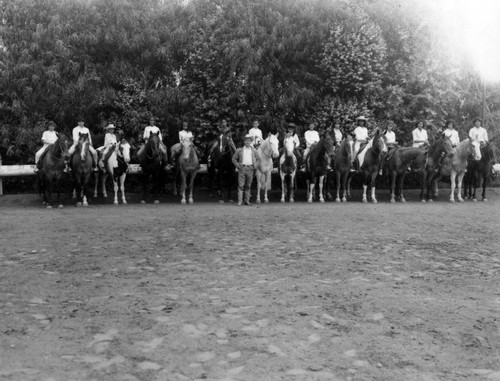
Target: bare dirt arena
[272,292]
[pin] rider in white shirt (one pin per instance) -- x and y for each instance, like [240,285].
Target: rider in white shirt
[311,137]
[478,132]
[419,135]
[360,136]
[452,134]
[110,140]
[145,136]
[184,134]
[391,141]
[81,129]
[337,132]
[291,135]
[49,137]
[256,134]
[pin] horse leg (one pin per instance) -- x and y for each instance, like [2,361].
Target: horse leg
[484,179]
[310,189]
[267,184]
[104,177]
[191,187]
[291,188]
[258,176]
[401,182]
[115,188]
[320,185]
[338,178]
[145,179]
[373,179]
[122,187]
[453,177]
[96,183]
[393,186]
[460,178]
[365,187]
[283,185]
[183,187]
[85,189]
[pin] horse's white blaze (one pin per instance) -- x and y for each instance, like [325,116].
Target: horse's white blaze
[476,149]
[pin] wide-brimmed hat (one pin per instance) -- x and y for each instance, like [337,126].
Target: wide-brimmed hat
[248,136]
[361,117]
[110,126]
[291,126]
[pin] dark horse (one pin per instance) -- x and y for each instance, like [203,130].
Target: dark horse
[81,164]
[398,164]
[479,172]
[151,164]
[438,150]
[342,163]
[220,165]
[319,158]
[50,178]
[372,156]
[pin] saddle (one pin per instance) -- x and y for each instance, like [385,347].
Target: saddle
[106,157]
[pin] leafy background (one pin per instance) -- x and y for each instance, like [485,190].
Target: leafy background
[121,61]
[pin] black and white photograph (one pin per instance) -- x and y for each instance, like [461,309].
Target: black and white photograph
[249,190]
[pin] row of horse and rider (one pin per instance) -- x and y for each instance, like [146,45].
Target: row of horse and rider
[359,137]
[311,137]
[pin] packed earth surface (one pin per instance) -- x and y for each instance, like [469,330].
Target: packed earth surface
[274,291]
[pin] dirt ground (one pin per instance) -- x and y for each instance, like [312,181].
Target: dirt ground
[271,292]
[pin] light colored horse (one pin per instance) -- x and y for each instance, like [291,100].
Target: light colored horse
[187,166]
[456,165]
[288,167]
[116,167]
[267,151]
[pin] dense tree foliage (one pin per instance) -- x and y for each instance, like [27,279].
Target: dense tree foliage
[122,61]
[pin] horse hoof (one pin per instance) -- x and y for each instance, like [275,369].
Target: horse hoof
[124,202]
[282,200]
[337,200]
[452,200]
[374,201]
[257,201]
[460,200]
[403,200]
[85,204]
[95,195]
[393,201]
[143,201]
[183,202]
[344,199]
[115,202]
[60,206]
[322,201]
[310,201]
[49,206]
[156,201]
[292,200]
[430,200]
[485,199]
[191,201]
[78,204]
[221,201]
[266,201]
[365,200]
[474,200]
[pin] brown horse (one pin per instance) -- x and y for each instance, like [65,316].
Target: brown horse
[151,165]
[438,150]
[51,176]
[455,167]
[81,165]
[187,167]
[342,163]
[319,158]
[372,156]
[398,164]
[479,172]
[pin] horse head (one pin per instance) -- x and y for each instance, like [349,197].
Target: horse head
[289,146]
[329,145]
[84,143]
[226,145]
[124,151]
[475,147]
[346,148]
[273,143]
[62,145]
[153,145]
[443,147]
[379,144]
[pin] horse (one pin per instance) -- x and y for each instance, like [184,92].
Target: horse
[370,159]
[441,148]
[455,167]
[479,172]
[318,163]
[288,169]
[117,168]
[187,166]
[342,163]
[151,164]
[267,151]
[398,164]
[220,165]
[81,164]
[51,175]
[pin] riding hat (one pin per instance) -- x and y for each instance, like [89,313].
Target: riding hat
[361,117]
[110,126]
[291,126]
[248,136]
